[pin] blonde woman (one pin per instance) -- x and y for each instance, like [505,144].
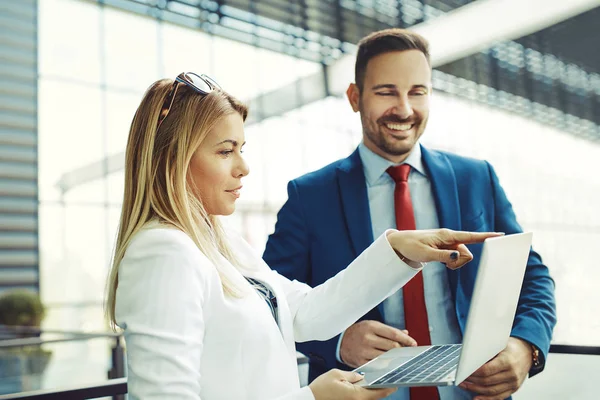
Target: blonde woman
[203,316]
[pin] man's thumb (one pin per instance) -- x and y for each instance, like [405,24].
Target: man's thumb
[352,377]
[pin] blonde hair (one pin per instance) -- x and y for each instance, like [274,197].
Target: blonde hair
[156,175]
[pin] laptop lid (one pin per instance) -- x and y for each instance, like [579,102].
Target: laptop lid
[494,301]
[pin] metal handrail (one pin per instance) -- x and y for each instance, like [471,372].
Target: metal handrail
[69,336]
[117,387]
[571,349]
[112,387]
[37,341]
[36,330]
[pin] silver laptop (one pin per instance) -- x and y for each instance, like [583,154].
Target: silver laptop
[490,319]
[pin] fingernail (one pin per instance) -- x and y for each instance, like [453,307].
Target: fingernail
[454,255]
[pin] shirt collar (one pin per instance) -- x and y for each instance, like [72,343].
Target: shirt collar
[375,166]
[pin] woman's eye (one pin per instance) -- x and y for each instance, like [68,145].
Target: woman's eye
[225,152]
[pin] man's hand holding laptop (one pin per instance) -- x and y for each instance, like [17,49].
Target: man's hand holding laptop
[502,375]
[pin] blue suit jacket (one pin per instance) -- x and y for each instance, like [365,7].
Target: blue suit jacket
[326,223]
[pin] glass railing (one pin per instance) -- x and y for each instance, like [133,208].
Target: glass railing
[566,376]
[34,360]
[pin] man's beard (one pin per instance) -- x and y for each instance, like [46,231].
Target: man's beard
[378,138]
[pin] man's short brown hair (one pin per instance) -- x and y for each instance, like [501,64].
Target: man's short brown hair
[385,41]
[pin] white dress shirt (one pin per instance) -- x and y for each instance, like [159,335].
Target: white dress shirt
[186,339]
[443,325]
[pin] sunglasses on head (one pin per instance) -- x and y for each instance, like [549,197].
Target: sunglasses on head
[202,84]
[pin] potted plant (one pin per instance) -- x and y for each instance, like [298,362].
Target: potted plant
[21,315]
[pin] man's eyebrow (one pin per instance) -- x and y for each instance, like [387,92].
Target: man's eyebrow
[393,87]
[384,86]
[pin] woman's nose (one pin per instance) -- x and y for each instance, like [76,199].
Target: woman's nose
[242,169]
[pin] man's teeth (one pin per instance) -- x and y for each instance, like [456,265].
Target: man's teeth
[399,127]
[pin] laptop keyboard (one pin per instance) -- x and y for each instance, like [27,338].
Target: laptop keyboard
[430,366]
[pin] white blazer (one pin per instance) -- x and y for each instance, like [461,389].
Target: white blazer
[187,340]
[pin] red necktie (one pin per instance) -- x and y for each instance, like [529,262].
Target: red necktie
[415,312]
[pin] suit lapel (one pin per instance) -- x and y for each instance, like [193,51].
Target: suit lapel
[355,203]
[445,192]
[443,183]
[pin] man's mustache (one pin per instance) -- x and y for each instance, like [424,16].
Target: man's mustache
[397,120]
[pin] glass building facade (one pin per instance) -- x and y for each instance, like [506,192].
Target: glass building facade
[94,66]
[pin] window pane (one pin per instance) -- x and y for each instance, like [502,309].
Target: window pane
[131,50]
[68,46]
[277,70]
[116,187]
[185,50]
[74,253]
[230,56]
[120,109]
[70,132]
